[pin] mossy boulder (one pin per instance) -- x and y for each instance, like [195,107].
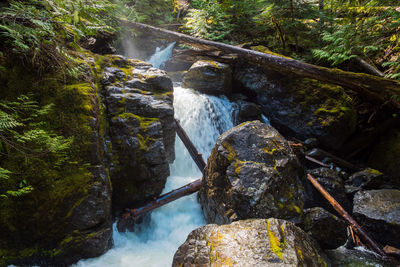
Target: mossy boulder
[302,107]
[67,215]
[252,173]
[142,130]
[255,242]
[210,77]
[386,156]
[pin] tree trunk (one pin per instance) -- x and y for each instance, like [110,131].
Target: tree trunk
[133,216]
[376,88]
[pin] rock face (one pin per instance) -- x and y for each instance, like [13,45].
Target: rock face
[67,216]
[251,173]
[254,242]
[303,107]
[210,77]
[378,211]
[142,130]
[327,229]
[333,183]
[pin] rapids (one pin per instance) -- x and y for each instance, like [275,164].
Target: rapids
[154,243]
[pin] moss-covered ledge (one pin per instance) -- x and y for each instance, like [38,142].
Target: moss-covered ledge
[66,217]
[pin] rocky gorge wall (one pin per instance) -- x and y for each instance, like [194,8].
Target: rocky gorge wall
[120,117]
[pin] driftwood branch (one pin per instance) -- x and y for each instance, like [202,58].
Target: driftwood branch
[376,88]
[353,224]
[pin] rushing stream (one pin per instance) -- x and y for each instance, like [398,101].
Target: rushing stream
[154,244]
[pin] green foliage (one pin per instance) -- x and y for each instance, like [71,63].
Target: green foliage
[40,32]
[209,22]
[24,137]
[365,30]
[151,11]
[4,174]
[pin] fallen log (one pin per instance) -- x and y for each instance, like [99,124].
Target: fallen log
[376,88]
[353,224]
[196,156]
[164,199]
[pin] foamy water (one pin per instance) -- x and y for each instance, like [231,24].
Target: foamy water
[204,118]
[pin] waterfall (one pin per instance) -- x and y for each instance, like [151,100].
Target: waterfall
[154,243]
[159,58]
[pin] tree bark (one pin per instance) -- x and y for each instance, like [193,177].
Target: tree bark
[376,88]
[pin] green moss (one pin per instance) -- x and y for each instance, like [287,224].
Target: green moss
[329,103]
[43,216]
[373,171]
[275,243]
[231,152]
[270,152]
[266,50]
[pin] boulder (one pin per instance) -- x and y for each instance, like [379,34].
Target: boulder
[354,257]
[303,107]
[247,111]
[139,99]
[252,173]
[255,242]
[328,230]
[333,184]
[378,211]
[386,156]
[209,77]
[365,179]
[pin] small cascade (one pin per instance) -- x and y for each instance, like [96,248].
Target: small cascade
[154,243]
[159,58]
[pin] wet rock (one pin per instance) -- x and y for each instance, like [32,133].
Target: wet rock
[303,107]
[210,77]
[386,156]
[254,242]
[247,111]
[142,131]
[333,184]
[365,179]
[252,173]
[157,79]
[378,211]
[328,230]
[354,257]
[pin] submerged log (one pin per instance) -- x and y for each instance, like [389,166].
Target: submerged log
[376,88]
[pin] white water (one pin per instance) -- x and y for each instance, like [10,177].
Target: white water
[159,58]
[204,118]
